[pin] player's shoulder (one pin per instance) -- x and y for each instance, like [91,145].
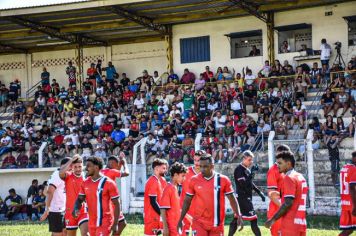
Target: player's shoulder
[152,180]
[223,177]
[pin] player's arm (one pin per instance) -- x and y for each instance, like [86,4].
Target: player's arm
[288,202]
[154,204]
[274,195]
[77,205]
[126,171]
[116,213]
[186,205]
[50,191]
[63,170]
[165,223]
[259,192]
[353,197]
[236,208]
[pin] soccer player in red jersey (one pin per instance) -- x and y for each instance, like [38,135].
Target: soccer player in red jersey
[170,204]
[347,184]
[274,187]
[99,192]
[113,171]
[192,170]
[294,194]
[153,193]
[72,174]
[208,189]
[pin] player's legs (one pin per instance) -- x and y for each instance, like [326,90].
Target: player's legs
[83,226]
[347,221]
[186,227]
[346,232]
[56,223]
[151,228]
[255,228]
[292,233]
[217,231]
[276,228]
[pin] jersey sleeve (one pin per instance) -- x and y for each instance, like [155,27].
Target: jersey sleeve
[289,187]
[55,180]
[165,202]
[152,190]
[191,190]
[352,175]
[272,179]
[116,173]
[227,186]
[113,190]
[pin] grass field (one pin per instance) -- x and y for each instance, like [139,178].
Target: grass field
[317,226]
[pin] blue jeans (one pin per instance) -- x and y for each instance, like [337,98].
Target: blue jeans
[325,62]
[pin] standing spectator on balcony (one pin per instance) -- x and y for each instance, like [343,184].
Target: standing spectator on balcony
[110,72]
[342,100]
[45,77]
[55,87]
[207,74]
[71,71]
[285,48]
[254,51]
[91,73]
[325,52]
[14,90]
[188,77]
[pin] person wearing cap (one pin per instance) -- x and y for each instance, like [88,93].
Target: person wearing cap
[244,187]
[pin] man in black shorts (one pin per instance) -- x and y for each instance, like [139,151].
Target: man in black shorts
[55,203]
[244,187]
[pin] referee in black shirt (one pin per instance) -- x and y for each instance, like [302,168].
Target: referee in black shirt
[244,187]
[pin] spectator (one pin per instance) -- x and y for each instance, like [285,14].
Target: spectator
[264,128]
[327,102]
[38,204]
[111,71]
[188,77]
[299,114]
[160,147]
[342,100]
[281,128]
[199,83]
[315,74]
[45,77]
[9,162]
[325,53]
[249,77]
[71,71]
[14,90]
[14,204]
[118,136]
[254,51]
[5,144]
[207,75]
[173,77]
[32,192]
[285,48]
[332,143]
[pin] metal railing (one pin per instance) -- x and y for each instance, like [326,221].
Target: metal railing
[31,91]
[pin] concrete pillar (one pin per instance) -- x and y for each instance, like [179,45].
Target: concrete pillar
[310,164]
[270,37]
[169,48]
[271,148]
[29,83]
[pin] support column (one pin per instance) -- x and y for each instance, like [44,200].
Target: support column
[270,37]
[79,61]
[169,48]
[108,54]
[29,82]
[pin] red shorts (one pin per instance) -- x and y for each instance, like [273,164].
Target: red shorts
[198,229]
[292,233]
[73,223]
[103,230]
[276,227]
[152,228]
[347,220]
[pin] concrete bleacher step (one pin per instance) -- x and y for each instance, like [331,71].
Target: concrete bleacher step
[136,205]
[323,154]
[326,191]
[321,166]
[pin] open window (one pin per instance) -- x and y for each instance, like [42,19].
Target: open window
[294,38]
[246,44]
[351,26]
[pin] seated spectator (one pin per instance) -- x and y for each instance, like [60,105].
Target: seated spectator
[173,77]
[300,88]
[264,106]
[160,147]
[208,75]
[219,74]
[14,204]
[188,145]
[341,129]
[248,77]
[188,77]
[227,74]
[281,128]
[264,128]
[254,51]
[39,204]
[342,100]
[18,142]
[329,127]
[175,154]
[199,83]
[22,160]
[315,74]
[250,97]
[299,114]
[5,144]
[316,125]
[327,102]
[9,162]
[100,150]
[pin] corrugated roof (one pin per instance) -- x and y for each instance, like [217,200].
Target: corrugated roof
[11,4]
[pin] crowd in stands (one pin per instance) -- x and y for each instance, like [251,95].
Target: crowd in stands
[13,207]
[110,112]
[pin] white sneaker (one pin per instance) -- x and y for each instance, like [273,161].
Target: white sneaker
[219,161]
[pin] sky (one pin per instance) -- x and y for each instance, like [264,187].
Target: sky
[6,4]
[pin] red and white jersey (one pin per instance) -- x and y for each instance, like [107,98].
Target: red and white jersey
[154,187]
[295,186]
[209,198]
[170,202]
[275,178]
[185,185]
[98,195]
[345,173]
[111,173]
[73,184]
